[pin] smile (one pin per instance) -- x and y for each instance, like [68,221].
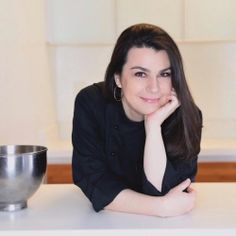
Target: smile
[150,100]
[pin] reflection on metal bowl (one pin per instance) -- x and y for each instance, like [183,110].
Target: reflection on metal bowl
[22,168]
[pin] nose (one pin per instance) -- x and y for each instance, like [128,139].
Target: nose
[153,85]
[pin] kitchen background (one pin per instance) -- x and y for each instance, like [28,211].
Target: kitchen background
[50,49]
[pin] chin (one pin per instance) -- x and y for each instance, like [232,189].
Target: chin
[149,111]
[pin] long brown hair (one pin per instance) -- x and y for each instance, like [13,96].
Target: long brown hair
[182,130]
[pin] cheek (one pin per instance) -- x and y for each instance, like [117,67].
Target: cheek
[166,87]
[130,87]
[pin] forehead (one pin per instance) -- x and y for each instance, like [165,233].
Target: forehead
[147,57]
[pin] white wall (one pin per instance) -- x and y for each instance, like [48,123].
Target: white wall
[81,35]
[38,90]
[27,110]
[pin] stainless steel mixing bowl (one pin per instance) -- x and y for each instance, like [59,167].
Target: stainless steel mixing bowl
[22,168]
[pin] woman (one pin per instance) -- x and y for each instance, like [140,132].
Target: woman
[136,136]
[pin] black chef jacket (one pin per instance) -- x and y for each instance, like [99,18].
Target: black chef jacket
[108,151]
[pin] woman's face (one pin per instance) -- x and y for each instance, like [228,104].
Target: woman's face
[145,80]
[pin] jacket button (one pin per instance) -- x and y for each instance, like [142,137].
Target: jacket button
[116,127]
[113,154]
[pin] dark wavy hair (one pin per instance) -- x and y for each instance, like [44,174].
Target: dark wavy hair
[182,130]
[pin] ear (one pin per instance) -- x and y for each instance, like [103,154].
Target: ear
[117,81]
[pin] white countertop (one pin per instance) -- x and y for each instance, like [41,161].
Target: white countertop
[64,210]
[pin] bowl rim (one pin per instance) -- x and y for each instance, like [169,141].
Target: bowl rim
[25,153]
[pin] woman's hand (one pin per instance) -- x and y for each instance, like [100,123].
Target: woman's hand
[168,104]
[177,201]
[174,203]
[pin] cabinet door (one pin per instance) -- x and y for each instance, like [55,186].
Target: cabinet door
[207,172]
[59,174]
[216,172]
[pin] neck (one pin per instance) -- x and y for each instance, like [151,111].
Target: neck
[131,113]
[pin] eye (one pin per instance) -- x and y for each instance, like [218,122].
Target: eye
[140,74]
[166,74]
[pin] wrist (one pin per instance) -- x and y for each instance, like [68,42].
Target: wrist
[160,206]
[153,130]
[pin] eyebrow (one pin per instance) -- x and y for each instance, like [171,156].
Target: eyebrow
[147,70]
[168,68]
[140,68]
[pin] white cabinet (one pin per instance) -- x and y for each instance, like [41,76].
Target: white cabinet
[80,21]
[211,72]
[99,22]
[168,14]
[210,20]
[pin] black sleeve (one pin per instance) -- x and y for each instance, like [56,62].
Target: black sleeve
[175,173]
[89,166]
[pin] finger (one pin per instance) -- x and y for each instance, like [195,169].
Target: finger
[173,93]
[190,189]
[184,185]
[192,193]
[164,100]
[170,99]
[175,99]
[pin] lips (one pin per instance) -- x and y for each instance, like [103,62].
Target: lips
[150,100]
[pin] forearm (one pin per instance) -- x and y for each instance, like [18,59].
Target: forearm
[133,202]
[154,158]
[175,202]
